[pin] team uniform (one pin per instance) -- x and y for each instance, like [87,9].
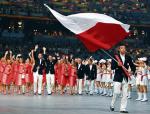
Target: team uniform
[2,68]
[15,68]
[121,80]
[73,76]
[105,79]
[28,73]
[99,75]
[109,75]
[21,75]
[6,78]
[64,76]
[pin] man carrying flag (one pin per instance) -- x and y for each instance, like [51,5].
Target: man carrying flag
[98,31]
[121,77]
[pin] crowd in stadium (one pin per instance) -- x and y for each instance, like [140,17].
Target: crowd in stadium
[131,11]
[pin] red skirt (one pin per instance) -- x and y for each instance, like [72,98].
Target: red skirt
[56,78]
[72,81]
[64,80]
[4,79]
[14,77]
[9,79]
[20,79]
[1,75]
[44,78]
[27,78]
[31,77]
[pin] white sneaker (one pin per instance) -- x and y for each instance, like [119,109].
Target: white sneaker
[110,95]
[129,97]
[144,100]
[91,93]
[138,99]
[107,95]
[103,94]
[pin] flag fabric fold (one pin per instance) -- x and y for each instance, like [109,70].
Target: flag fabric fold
[94,30]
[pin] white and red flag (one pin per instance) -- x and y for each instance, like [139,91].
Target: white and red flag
[96,31]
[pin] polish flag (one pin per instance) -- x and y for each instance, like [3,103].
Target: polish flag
[96,31]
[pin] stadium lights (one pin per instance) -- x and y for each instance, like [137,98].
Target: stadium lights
[45,30]
[19,23]
[35,30]
[143,32]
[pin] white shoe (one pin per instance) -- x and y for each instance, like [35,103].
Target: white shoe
[107,95]
[129,97]
[138,99]
[144,100]
[103,94]
[110,95]
[91,93]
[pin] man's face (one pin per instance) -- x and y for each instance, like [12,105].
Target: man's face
[40,56]
[122,49]
[79,61]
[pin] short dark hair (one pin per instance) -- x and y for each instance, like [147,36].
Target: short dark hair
[122,44]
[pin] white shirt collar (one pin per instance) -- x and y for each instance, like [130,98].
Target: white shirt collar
[122,58]
[90,67]
[79,66]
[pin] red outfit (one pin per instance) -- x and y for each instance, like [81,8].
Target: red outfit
[6,78]
[56,73]
[73,76]
[44,76]
[59,69]
[20,80]
[64,75]
[15,71]
[28,73]
[2,67]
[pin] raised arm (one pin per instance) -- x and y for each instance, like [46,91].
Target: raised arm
[44,54]
[5,55]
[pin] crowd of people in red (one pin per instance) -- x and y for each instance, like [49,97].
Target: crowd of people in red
[16,73]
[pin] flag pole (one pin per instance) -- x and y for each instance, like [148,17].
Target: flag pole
[109,55]
[123,67]
[113,58]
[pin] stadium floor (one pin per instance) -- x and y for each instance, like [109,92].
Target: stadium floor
[66,105]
